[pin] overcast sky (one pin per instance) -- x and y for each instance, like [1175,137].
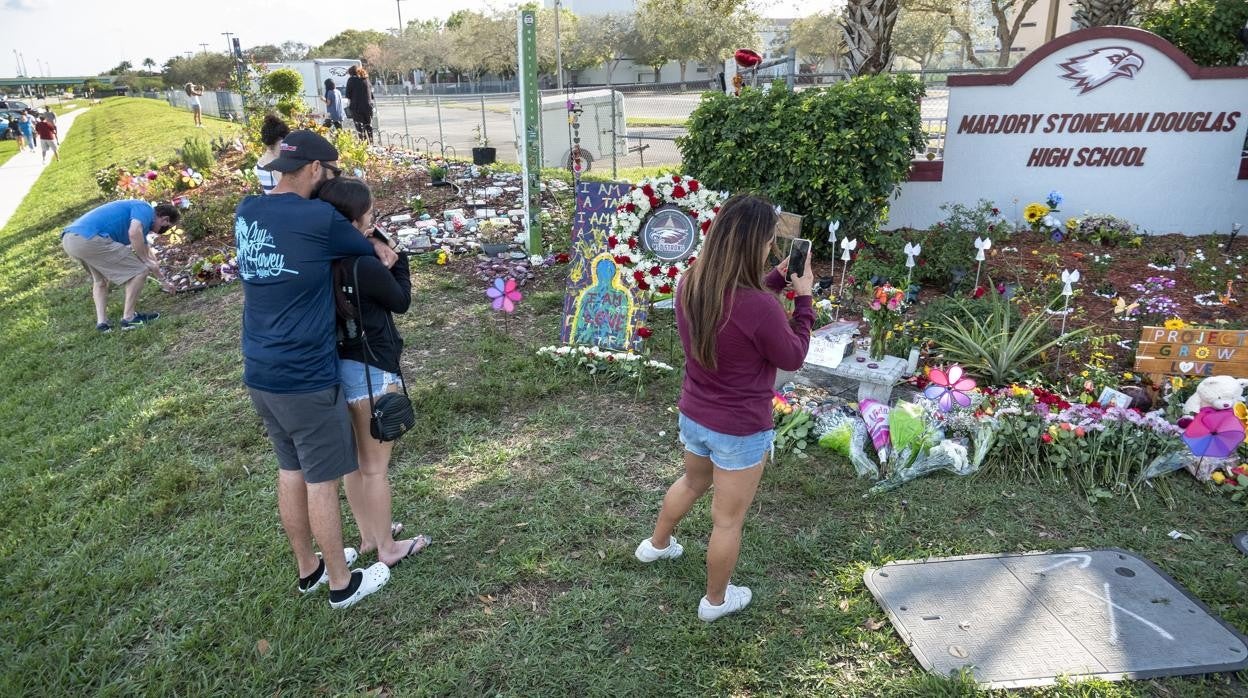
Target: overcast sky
[86,37]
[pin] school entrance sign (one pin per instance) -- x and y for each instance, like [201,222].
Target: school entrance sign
[1117,119]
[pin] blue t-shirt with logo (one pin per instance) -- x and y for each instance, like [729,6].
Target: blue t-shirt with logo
[112,220]
[285,245]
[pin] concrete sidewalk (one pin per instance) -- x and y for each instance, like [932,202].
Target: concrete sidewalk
[18,175]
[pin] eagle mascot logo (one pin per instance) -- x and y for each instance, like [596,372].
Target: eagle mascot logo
[1091,70]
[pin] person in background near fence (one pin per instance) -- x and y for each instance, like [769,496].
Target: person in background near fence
[194,91]
[28,128]
[360,102]
[15,132]
[286,244]
[272,131]
[380,293]
[334,114]
[111,243]
[47,138]
[735,334]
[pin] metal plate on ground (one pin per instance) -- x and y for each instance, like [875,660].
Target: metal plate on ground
[1027,619]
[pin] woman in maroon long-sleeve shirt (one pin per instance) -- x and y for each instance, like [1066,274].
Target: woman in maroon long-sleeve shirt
[735,335]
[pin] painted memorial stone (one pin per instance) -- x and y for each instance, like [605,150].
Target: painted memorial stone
[598,307]
[669,234]
[1192,351]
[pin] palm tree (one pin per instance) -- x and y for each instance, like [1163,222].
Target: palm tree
[149,64]
[868,27]
[1103,13]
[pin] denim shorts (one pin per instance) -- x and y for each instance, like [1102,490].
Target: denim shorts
[351,375]
[725,450]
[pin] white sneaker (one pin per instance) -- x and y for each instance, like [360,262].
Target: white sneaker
[350,553]
[371,579]
[648,553]
[735,599]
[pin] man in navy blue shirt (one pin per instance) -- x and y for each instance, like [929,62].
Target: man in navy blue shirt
[110,242]
[286,242]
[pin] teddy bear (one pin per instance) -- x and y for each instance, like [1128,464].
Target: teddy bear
[1218,392]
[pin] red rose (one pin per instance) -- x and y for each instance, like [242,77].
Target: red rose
[678,192]
[644,332]
[654,202]
[655,270]
[562,258]
[623,259]
[1046,438]
[610,358]
[715,210]
[693,214]
[706,225]
[665,288]
[630,207]
[639,275]
[790,294]
[693,185]
[978,292]
[648,191]
[612,241]
[690,260]
[676,179]
[643,285]
[673,272]
[632,243]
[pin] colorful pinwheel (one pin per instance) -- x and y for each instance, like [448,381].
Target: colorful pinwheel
[504,294]
[949,386]
[1214,433]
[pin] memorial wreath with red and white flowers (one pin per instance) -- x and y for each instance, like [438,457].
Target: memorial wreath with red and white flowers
[640,266]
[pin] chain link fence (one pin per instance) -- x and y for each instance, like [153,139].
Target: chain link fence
[622,126]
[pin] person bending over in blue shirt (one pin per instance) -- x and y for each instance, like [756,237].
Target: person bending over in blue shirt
[286,243]
[110,242]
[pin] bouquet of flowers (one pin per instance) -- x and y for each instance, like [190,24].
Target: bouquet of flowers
[882,313]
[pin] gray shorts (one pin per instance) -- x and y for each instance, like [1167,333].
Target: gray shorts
[311,432]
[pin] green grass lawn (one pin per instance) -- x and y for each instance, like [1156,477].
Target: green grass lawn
[637,121]
[7,150]
[142,554]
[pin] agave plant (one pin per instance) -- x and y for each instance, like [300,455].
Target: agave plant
[1104,13]
[868,28]
[995,347]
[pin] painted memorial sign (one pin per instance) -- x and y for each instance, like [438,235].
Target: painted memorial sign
[599,309]
[1192,351]
[1117,119]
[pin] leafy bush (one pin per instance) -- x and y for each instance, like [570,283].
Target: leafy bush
[1205,30]
[833,153]
[197,154]
[948,247]
[210,216]
[283,82]
[1104,230]
[997,348]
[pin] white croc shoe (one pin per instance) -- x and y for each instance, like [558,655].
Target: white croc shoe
[735,599]
[372,579]
[648,553]
[350,553]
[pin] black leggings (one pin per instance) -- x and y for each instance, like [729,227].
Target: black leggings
[364,125]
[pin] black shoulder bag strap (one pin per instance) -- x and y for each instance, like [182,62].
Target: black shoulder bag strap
[368,374]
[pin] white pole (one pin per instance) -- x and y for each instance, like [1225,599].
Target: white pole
[558,52]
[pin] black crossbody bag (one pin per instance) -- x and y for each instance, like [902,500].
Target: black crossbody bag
[391,414]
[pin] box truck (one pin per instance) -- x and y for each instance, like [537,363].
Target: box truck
[596,130]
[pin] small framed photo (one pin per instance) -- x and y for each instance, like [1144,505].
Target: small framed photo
[1109,396]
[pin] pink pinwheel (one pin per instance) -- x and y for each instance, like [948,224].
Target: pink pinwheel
[504,294]
[948,387]
[1214,433]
